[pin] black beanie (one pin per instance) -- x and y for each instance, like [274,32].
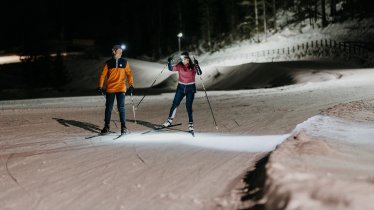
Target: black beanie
[185,55]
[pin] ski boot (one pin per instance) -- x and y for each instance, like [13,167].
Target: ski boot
[190,127]
[167,123]
[124,130]
[105,130]
[191,130]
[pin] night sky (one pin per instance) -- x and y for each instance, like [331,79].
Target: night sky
[144,26]
[151,27]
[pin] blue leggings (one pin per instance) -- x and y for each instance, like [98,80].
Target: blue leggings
[183,90]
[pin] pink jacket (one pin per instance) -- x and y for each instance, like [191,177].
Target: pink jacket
[186,75]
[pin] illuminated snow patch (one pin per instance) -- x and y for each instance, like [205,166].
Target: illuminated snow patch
[208,140]
[359,133]
[8,59]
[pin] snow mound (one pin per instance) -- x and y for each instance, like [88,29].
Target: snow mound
[319,166]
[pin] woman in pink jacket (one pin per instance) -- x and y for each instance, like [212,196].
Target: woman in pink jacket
[186,87]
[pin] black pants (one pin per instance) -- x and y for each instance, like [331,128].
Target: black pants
[120,106]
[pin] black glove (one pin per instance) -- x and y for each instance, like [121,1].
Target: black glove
[198,69]
[170,66]
[99,90]
[195,61]
[131,89]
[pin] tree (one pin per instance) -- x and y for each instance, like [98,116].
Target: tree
[256,19]
[264,16]
[206,19]
[315,10]
[274,9]
[332,9]
[323,11]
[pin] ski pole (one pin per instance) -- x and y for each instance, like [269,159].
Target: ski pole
[210,107]
[206,95]
[150,87]
[133,107]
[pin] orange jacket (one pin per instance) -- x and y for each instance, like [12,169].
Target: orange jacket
[116,72]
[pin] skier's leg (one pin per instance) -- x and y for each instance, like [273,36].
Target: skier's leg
[190,95]
[121,107]
[108,107]
[189,101]
[108,112]
[179,95]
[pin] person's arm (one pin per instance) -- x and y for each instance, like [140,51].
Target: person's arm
[102,76]
[170,66]
[129,76]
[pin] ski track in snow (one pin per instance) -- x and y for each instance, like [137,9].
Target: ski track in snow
[160,170]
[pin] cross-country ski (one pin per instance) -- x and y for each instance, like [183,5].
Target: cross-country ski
[99,135]
[157,128]
[119,136]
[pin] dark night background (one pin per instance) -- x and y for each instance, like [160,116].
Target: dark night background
[36,30]
[150,27]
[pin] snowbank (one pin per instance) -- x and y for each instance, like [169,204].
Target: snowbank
[326,163]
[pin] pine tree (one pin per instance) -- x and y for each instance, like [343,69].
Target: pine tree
[274,9]
[206,19]
[264,16]
[323,12]
[332,9]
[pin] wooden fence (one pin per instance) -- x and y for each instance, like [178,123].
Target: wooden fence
[311,50]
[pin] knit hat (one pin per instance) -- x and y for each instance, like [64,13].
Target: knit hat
[185,55]
[116,47]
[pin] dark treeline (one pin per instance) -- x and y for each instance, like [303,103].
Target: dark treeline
[151,27]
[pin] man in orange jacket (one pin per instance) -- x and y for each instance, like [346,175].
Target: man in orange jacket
[117,71]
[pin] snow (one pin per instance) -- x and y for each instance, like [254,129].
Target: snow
[288,36]
[355,133]
[9,59]
[325,163]
[241,143]
[334,163]
[50,164]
